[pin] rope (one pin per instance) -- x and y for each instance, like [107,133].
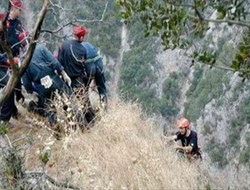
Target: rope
[78,60]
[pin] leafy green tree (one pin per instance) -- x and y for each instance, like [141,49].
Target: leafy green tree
[179,23]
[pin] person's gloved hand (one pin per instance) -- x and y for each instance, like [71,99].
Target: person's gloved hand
[32,95]
[103,101]
[19,96]
[66,78]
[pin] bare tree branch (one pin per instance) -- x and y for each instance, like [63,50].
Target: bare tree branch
[72,22]
[96,20]
[16,71]
[223,67]
[219,21]
[60,28]
[5,93]
[37,31]
[179,4]
[240,23]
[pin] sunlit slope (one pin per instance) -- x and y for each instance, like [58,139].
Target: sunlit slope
[122,151]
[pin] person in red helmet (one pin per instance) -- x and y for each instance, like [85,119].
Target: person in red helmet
[14,28]
[82,60]
[82,63]
[72,56]
[188,138]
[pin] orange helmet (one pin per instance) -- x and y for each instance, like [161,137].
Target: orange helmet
[183,123]
[80,31]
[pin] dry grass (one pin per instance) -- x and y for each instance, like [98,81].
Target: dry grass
[122,151]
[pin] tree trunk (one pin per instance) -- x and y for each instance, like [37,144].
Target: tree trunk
[16,71]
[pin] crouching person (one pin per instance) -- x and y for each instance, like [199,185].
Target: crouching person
[42,77]
[189,140]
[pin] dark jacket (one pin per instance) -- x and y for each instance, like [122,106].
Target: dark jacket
[3,62]
[14,27]
[91,51]
[191,140]
[72,55]
[42,63]
[4,77]
[8,109]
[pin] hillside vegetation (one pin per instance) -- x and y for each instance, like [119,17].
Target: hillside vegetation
[122,151]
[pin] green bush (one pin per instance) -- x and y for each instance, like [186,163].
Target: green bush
[137,79]
[207,129]
[234,133]
[197,75]
[171,93]
[203,90]
[217,153]
[245,110]
[245,154]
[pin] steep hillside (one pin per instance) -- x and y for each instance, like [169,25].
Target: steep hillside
[168,83]
[224,130]
[122,151]
[217,103]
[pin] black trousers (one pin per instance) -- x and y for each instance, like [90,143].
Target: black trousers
[8,108]
[78,83]
[95,71]
[46,94]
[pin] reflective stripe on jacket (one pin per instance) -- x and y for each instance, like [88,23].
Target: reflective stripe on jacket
[91,52]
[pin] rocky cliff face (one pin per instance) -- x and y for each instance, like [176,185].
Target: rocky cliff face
[233,174]
[222,122]
[214,125]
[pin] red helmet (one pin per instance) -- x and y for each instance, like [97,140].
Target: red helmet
[2,16]
[183,123]
[80,31]
[16,3]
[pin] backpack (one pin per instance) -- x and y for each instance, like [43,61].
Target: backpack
[91,52]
